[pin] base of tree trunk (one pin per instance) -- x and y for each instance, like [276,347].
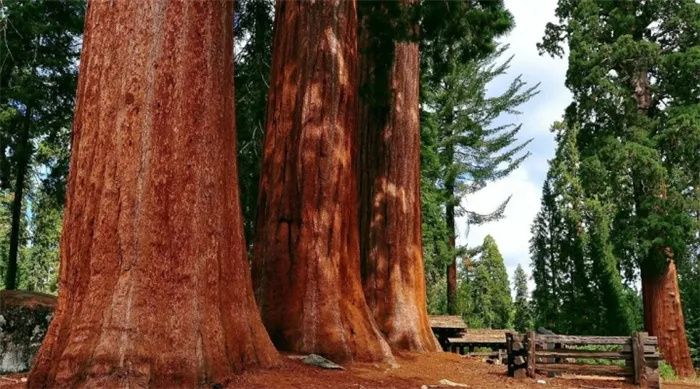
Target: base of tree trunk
[155,288]
[306,262]
[663,318]
[391,245]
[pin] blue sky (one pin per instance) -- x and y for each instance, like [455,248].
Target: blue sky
[512,234]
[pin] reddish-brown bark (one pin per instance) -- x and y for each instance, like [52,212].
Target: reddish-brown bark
[390,213]
[663,317]
[155,289]
[306,263]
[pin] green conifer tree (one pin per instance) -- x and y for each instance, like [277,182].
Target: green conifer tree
[545,263]
[492,301]
[253,55]
[578,286]
[40,43]
[523,311]
[469,151]
[633,74]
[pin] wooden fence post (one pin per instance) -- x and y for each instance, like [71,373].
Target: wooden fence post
[640,365]
[510,356]
[531,354]
[517,355]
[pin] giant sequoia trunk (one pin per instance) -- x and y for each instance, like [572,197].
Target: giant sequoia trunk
[390,213]
[155,289]
[663,317]
[306,264]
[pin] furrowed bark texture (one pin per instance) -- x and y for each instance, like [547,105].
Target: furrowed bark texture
[663,318]
[390,213]
[306,263]
[155,289]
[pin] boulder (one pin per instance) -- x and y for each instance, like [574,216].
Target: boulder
[24,319]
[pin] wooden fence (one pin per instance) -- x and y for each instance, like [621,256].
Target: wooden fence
[532,353]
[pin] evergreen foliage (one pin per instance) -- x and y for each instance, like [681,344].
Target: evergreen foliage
[40,42]
[689,279]
[484,290]
[463,150]
[253,56]
[633,73]
[578,286]
[522,320]
[497,285]
[625,65]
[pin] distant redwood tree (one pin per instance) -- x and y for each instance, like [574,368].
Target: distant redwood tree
[306,262]
[389,177]
[155,289]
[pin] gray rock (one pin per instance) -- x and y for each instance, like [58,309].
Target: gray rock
[319,361]
[24,319]
[451,383]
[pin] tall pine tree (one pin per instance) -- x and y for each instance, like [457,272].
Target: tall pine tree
[253,56]
[40,41]
[492,301]
[544,255]
[522,320]
[578,286]
[469,151]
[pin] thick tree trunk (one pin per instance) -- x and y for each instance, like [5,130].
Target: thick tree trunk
[452,266]
[390,213]
[155,289]
[20,179]
[306,263]
[663,317]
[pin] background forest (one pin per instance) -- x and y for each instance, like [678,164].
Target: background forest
[624,179]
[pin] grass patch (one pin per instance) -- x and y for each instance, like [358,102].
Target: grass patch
[666,372]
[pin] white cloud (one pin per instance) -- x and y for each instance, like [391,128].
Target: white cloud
[512,233]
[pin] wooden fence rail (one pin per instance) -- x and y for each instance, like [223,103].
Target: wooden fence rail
[635,357]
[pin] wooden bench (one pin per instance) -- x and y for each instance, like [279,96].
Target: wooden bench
[454,336]
[445,327]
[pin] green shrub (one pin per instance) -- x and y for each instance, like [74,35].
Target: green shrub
[666,371]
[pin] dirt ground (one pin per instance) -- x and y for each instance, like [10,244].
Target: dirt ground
[413,371]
